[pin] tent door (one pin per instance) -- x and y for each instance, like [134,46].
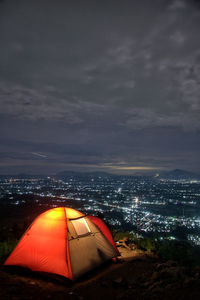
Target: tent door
[89,249]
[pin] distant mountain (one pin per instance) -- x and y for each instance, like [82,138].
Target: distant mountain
[22,176]
[66,174]
[179,174]
[173,174]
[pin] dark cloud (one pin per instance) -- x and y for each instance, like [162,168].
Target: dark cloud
[100,82]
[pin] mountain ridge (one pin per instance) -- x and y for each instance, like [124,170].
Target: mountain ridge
[171,174]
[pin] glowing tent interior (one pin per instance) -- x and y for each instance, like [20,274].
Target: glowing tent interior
[64,241]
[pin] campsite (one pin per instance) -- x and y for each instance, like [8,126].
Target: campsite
[135,274]
[99,150]
[63,241]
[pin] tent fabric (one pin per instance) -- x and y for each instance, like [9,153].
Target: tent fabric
[73,214]
[65,242]
[104,229]
[43,246]
[89,252]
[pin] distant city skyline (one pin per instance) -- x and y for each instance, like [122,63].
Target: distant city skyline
[99,86]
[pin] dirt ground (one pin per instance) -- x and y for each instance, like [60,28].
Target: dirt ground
[136,275]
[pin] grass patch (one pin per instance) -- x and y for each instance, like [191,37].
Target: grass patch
[6,247]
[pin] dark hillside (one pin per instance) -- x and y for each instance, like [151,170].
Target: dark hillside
[136,276]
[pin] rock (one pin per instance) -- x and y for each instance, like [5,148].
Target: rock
[189,282]
[167,264]
[131,281]
[158,290]
[155,276]
[170,273]
[104,284]
[158,267]
[118,280]
[147,283]
[170,263]
[169,286]
[154,285]
[75,295]
[126,295]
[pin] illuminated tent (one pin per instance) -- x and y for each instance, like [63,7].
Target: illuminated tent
[64,241]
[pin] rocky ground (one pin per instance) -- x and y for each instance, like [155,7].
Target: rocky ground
[136,275]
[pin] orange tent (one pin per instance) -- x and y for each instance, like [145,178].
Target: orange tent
[64,241]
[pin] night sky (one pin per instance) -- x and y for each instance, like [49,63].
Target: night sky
[99,86]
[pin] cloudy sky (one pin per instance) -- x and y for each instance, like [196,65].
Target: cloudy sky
[99,85]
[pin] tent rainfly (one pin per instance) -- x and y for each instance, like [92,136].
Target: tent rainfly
[64,241]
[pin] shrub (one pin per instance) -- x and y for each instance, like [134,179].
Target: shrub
[148,244]
[120,235]
[6,248]
[182,252]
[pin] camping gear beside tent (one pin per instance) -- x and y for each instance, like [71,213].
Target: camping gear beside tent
[66,242]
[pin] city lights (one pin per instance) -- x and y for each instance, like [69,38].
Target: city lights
[154,205]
